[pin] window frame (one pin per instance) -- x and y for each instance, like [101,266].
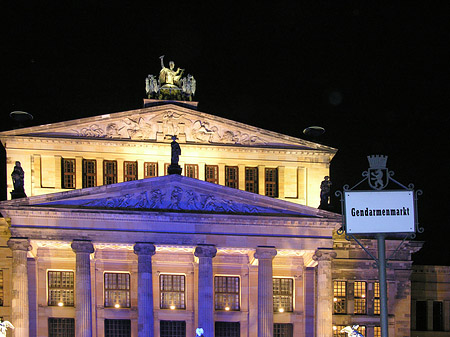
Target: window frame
[232,181]
[251,182]
[376,298]
[189,169]
[171,292]
[88,176]
[339,297]
[150,166]
[117,290]
[215,171]
[115,331]
[228,294]
[271,182]
[134,168]
[69,173]
[109,177]
[280,297]
[67,293]
[69,323]
[360,297]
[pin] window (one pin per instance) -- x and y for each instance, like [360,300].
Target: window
[109,172]
[150,170]
[1,288]
[360,297]
[227,329]
[226,293]
[212,174]
[61,327]
[377,331]
[172,288]
[172,328]
[421,316]
[130,170]
[89,173]
[437,316]
[340,297]
[376,298]
[60,288]
[232,176]
[251,179]
[283,330]
[117,328]
[68,170]
[272,182]
[337,331]
[117,290]
[191,170]
[283,291]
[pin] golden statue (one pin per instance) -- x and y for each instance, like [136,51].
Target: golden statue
[169,78]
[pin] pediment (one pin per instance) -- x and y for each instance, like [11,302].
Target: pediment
[158,123]
[172,193]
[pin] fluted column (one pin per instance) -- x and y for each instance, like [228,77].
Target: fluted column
[145,251]
[205,254]
[20,305]
[83,300]
[265,256]
[324,316]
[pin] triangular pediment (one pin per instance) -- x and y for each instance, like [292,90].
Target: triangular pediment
[172,193]
[158,123]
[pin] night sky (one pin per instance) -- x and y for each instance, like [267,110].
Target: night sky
[376,77]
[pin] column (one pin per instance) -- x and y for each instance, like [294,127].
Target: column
[265,256]
[145,251]
[324,316]
[83,300]
[20,305]
[205,254]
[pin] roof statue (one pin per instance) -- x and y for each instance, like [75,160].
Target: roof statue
[18,177]
[4,326]
[170,84]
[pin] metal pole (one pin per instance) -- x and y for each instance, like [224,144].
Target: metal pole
[383,285]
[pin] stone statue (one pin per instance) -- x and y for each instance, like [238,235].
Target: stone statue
[325,190]
[169,77]
[18,176]
[199,332]
[176,151]
[4,326]
[351,331]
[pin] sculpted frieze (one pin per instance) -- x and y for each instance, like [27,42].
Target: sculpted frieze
[176,198]
[146,127]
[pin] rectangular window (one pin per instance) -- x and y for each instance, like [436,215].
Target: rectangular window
[68,170]
[376,298]
[89,173]
[421,316]
[1,288]
[340,297]
[172,328]
[272,182]
[283,295]
[226,293]
[377,331]
[130,170]
[109,172]
[232,176]
[283,330]
[172,291]
[212,174]
[337,331]
[438,316]
[191,170]
[117,290]
[227,329]
[61,327]
[360,297]
[60,288]
[117,328]
[251,179]
[150,170]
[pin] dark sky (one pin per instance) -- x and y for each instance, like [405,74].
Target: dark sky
[375,76]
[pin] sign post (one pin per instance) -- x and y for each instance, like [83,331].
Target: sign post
[378,212]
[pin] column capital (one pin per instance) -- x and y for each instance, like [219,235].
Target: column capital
[19,244]
[82,246]
[205,251]
[265,252]
[324,255]
[144,248]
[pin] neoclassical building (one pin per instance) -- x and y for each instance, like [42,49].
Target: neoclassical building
[106,243]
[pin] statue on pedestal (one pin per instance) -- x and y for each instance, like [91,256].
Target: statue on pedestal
[170,84]
[18,177]
[174,168]
[325,190]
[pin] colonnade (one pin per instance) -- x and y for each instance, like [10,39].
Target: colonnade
[145,251]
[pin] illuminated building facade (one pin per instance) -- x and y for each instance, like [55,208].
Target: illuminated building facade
[108,244]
